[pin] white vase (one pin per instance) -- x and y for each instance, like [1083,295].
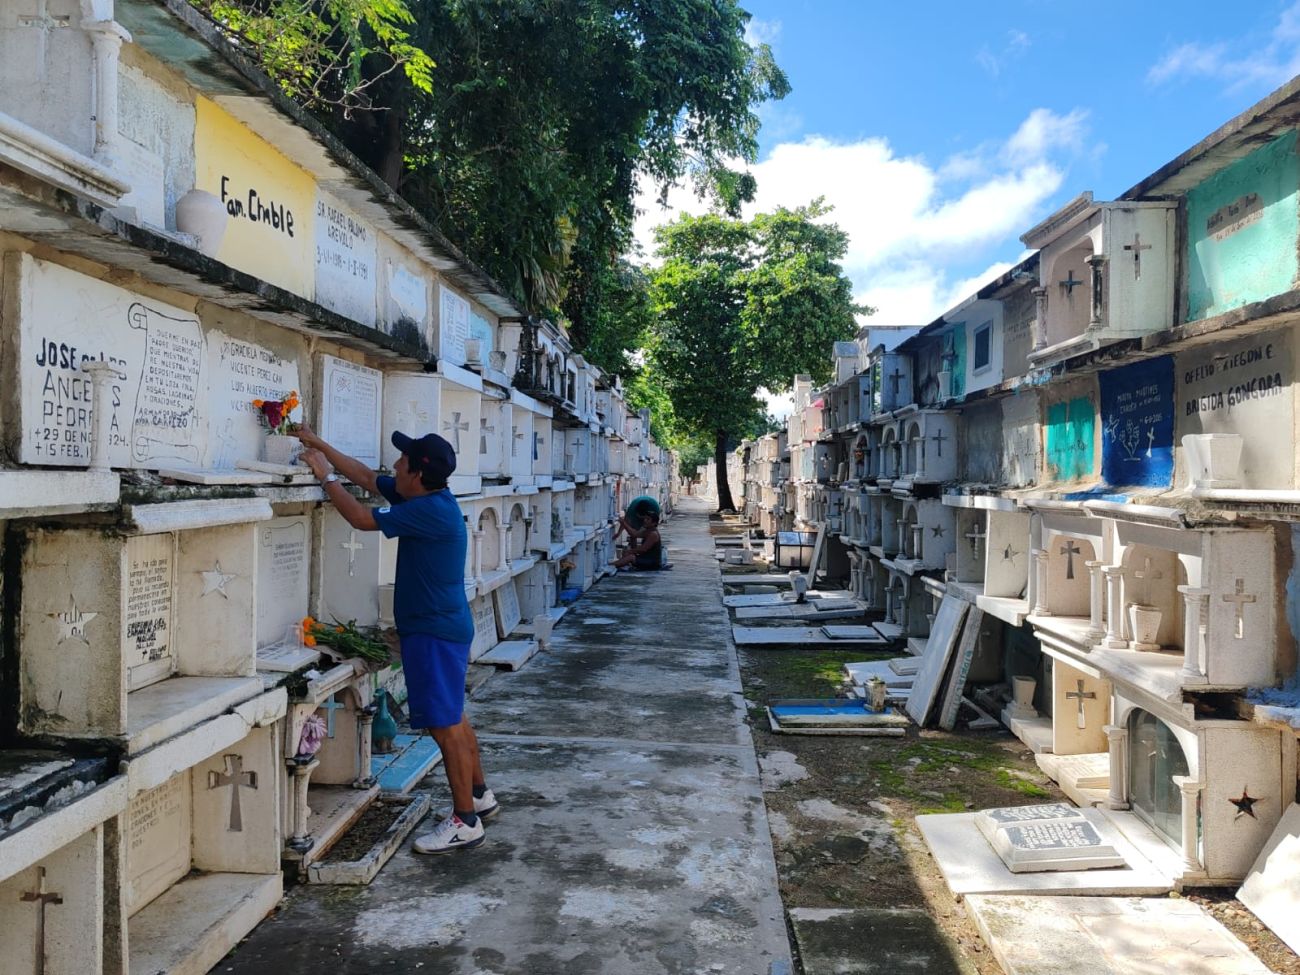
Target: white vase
[1213,459]
[1144,623]
[279,448]
[876,694]
[1022,697]
[202,215]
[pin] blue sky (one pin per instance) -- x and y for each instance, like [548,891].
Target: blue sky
[941,131]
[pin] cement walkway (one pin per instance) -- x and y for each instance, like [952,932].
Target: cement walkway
[633,836]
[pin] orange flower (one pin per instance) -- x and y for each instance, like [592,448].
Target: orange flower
[308,622]
[257,404]
[309,640]
[338,629]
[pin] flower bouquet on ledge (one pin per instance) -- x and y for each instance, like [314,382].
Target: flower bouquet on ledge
[281,446]
[347,641]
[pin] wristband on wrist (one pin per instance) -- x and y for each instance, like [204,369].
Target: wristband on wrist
[330,478]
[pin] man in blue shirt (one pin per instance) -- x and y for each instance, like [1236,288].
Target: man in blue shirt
[433,618]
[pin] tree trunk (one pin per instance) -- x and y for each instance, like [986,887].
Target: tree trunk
[720,461]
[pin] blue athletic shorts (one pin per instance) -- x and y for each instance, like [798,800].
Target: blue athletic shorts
[435,680]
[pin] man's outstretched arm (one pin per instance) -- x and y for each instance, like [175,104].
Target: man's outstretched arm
[353,511]
[351,468]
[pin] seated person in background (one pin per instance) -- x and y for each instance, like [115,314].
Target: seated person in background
[646,551]
[633,521]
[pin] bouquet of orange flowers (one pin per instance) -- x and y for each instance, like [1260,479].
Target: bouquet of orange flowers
[275,412]
[346,640]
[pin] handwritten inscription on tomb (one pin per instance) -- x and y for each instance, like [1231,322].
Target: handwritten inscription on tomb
[242,371]
[1235,377]
[1137,436]
[166,420]
[248,203]
[453,325]
[350,408]
[146,624]
[1240,213]
[158,839]
[346,257]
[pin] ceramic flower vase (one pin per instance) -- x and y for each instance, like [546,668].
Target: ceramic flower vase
[876,694]
[1144,623]
[279,448]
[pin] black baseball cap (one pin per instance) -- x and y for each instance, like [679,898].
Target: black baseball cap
[430,453]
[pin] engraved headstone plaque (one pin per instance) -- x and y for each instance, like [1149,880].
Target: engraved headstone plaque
[147,610]
[283,578]
[508,614]
[351,397]
[158,840]
[1051,836]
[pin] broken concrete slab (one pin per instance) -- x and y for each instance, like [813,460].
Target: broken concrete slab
[866,941]
[845,730]
[834,712]
[363,869]
[510,654]
[1032,935]
[1272,890]
[860,673]
[826,609]
[779,598]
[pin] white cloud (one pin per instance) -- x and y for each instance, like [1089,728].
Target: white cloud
[762,31]
[1017,43]
[915,227]
[1246,61]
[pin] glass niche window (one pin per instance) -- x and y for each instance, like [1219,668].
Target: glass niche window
[983,357]
[1155,757]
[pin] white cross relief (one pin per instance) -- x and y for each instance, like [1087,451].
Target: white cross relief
[353,547]
[1069,284]
[516,435]
[454,426]
[1240,597]
[47,25]
[1081,695]
[41,898]
[484,428]
[976,536]
[1145,573]
[1137,247]
[214,580]
[329,707]
[413,417]
[72,622]
[235,777]
[938,439]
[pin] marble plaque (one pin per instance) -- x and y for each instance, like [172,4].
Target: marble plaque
[349,571]
[157,349]
[242,371]
[283,576]
[147,609]
[506,598]
[485,626]
[1046,837]
[412,403]
[158,840]
[346,261]
[351,398]
[453,325]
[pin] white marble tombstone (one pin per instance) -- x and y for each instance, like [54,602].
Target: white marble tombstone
[348,569]
[1081,708]
[1051,836]
[159,823]
[461,412]
[347,261]
[216,596]
[485,626]
[1068,589]
[1007,559]
[413,406]
[508,612]
[495,438]
[283,576]
[542,469]
[351,396]
[520,464]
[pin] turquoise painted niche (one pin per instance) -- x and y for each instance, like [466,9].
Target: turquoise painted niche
[1069,439]
[959,364]
[1242,230]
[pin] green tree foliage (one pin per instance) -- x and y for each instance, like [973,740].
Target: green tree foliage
[742,306]
[542,118]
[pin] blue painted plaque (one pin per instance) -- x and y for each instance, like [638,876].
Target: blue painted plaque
[1137,418]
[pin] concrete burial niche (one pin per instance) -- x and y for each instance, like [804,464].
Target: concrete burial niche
[284,558]
[1064,580]
[460,413]
[1081,707]
[971,545]
[494,438]
[520,464]
[347,569]
[413,405]
[350,408]
[127,612]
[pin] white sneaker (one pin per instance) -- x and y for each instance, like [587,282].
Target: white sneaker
[486,806]
[450,835]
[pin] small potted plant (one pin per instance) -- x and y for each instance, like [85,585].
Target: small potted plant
[280,446]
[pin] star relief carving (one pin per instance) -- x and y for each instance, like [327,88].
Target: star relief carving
[72,621]
[1245,805]
[1009,554]
[938,531]
[214,580]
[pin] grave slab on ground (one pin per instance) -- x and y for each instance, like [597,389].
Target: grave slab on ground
[1107,936]
[806,635]
[971,866]
[837,941]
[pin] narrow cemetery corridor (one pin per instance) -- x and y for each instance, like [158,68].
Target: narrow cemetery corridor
[632,837]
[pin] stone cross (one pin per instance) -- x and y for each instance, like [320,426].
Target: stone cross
[1070,550]
[516,435]
[538,440]
[1146,573]
[329,707]
[484,428]
[1137,247]
[1081,695]
[895,378]
[976,536]
[1069,284]
[353,547]
[1240,597]
[455,426]
[235,777]
[938,439]
[416,414]
[41,898]
[47,25]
